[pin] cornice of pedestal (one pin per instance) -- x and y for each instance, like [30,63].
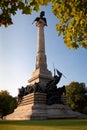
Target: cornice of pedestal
[39,75]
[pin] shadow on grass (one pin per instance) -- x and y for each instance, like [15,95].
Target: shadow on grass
[56,122]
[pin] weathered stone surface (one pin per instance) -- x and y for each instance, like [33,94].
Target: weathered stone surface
[27,112]
[33,106]
[59,111]
[33,98]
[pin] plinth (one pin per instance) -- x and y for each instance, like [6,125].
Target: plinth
[33,106]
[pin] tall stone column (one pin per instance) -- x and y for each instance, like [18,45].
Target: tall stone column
[41,73]
[41,57]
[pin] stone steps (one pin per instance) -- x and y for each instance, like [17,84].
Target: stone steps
[33,98]
[33,106]
[32,111]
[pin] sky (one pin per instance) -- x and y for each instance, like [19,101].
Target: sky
[18,49]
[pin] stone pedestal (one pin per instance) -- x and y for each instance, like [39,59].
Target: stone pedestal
[63,99]
[33,98]
[33,106]
[59,111]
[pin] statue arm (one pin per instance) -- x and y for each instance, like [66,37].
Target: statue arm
[37,19]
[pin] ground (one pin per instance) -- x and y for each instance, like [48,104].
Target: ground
[58,124]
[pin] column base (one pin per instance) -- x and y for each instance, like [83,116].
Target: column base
[42,76]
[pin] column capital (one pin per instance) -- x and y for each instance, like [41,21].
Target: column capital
[40,23]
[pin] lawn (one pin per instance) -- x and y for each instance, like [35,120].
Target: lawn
[58,124]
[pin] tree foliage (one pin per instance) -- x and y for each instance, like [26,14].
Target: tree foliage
[76,99]
[72,17]
[73,21]
[7,103]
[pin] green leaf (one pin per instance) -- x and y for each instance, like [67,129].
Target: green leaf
[27,10]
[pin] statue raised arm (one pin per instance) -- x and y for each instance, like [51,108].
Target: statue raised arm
[42,14]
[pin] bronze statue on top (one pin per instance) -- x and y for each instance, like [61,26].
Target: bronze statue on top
[42,14]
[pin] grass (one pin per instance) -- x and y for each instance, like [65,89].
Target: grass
[58,124]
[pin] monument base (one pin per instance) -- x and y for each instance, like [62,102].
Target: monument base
[28,112]
[41,75]
[33,106]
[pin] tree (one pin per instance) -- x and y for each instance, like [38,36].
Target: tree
[75,93]
[72,17]
[7,103]
[85,108]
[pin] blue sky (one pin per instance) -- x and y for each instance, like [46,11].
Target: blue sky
[18,48]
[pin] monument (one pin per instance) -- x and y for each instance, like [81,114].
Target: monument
[41,73]
[41,99]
